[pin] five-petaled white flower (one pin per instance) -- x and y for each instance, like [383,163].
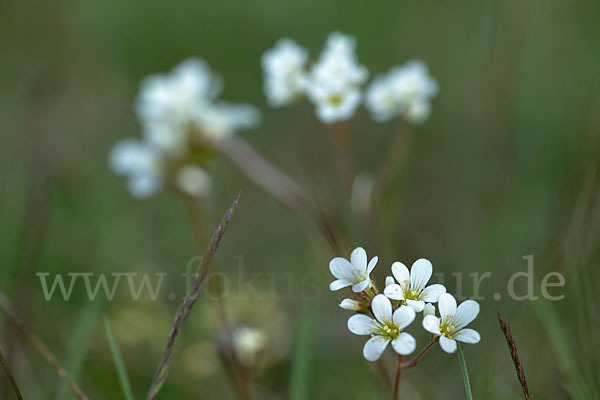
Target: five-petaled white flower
[405,90]
[387,327]
[353,273]
[334,81]
[451,326]
[411,285]
[284,71]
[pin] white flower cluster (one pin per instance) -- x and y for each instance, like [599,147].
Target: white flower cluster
[386,316]
[405,91]
[180,117]
[334,82]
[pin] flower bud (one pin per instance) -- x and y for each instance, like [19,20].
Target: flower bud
[352,305]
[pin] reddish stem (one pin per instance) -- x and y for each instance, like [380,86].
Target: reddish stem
[415,360]
[398,372]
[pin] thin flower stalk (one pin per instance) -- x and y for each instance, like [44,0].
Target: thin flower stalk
[398,374]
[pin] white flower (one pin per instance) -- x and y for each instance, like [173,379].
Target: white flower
[249,343]
[353,273]
[405,91]
[411,285]
[337,64]
[193,180]
[284,71]
[451,325]
[334,81]
[352,305]
[334,101]
[174,98]
[141,163]
[387,327]
[221,120]
[175,106]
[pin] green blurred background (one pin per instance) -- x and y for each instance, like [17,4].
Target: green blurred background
[505,167]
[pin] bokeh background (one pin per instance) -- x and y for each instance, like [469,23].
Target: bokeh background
[505,167]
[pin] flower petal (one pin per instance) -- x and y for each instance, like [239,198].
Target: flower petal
[432,293]
[404,344]
[431,323]
[362,285]
[339,284]
[400,272]
[389,280]
[404,316]
[465,313]
[361,324]
[374,348]
[429,309]
[468,336]
[447,306]
[420,273]
[382,308]
[416,305]
[358,258]
[394,291]
[448,345]
[341,268]
[372,264]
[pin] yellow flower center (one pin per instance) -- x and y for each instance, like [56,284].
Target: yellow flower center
[389,330]
[336,99]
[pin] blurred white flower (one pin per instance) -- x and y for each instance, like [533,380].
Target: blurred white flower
[387,327]
[362,190]
[249,343]
[193,180]
[174,98]
[451,325]
[141,163]
[334,80]
[334,102]
[221,120]
[352,305]
[353,273]
[405,90]
[338,64]
[411,285]
[175,106]
[284,72]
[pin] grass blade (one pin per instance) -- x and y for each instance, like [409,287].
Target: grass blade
[41,348]
[303,353]
[465,374]
[119,364]
[10,377]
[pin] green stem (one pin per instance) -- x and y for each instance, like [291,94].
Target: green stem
[465,374]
